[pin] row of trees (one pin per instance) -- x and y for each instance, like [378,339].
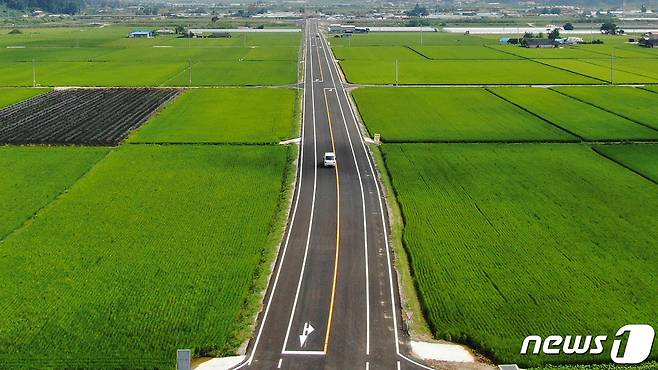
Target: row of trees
[52,6]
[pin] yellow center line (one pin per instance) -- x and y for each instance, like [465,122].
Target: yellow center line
[333,288]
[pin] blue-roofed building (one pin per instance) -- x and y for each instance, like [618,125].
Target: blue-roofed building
[138,34]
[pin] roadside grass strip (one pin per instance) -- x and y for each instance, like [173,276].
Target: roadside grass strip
[633,103]
[582,119]
[463,72]
[641,158]
[32,177]
[254,116]
[164,257]
[505,239]
[449,115]
[9,96]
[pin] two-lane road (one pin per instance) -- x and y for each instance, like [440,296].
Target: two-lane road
[332,301]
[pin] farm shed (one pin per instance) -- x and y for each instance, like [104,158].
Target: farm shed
[539,43]
[140,34]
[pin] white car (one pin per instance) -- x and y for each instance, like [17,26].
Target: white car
[329,159]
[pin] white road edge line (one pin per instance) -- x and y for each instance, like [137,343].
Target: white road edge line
[305,353]
[279,365]
[383,220]
[310,225]
[363,197]
[292,222]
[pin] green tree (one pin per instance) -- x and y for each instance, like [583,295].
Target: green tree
[609,28]
[568,26]
[417,11]
[555,34]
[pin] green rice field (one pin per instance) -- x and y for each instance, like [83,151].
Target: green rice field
[9,96]
[504,239]
[114,279]
[56,168]
[467,72]
[581,119]
[635,104]
[444,58]
[224,116]
[438,115]
[642,159]
[89,56]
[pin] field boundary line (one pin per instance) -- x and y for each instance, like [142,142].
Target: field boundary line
[28,220]
[644,87]
[603,108]
[550,66]
[616,68]
[623,165]
[418,52]
[535,114]
[187,67]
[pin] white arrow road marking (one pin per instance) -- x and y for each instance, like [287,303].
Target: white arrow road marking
[308,329]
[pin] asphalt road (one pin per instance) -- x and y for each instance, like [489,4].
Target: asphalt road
[332,302]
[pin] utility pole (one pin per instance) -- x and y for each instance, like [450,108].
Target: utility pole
[397,74]
[421,35]
[34,74]
[612,66]
[190,69]
[591,26]
[244,40]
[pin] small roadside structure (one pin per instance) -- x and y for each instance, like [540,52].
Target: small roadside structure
[164,32]
[539,43]
[220,35]
[648,40]
[140,34]
[648,43]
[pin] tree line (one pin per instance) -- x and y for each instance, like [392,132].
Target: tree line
[51,6]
